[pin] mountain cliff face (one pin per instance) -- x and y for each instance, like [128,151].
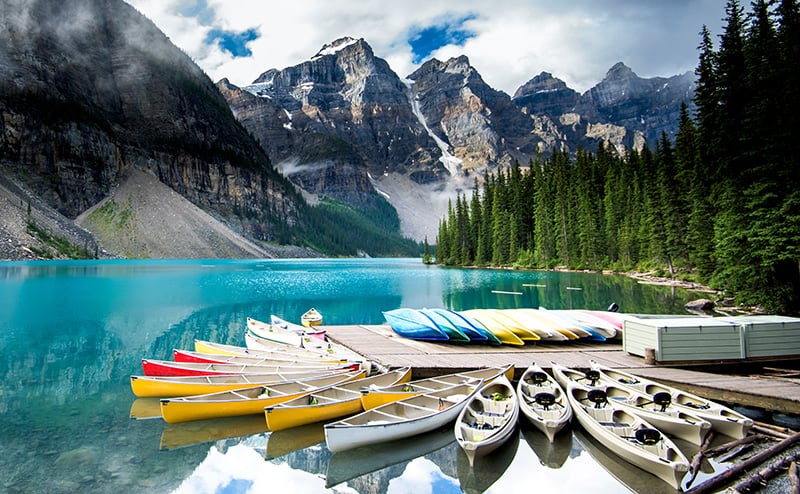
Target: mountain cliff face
[92,94]
[91,89]
[623,109]
[344,125]
[647,106]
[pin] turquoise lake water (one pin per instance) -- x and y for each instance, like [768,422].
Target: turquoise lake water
[72,333]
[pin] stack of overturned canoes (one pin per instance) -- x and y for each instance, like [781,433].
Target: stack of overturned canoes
[290,386]
[505,326]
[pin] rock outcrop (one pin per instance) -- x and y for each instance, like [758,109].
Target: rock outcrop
[91,89]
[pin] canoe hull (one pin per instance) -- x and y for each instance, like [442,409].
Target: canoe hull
[500,331]
[172,386]
[488,420]
[328,404]
[550,418]
[374,398]
[722,419]
[414,325]
[247,401]
[398,420]
[168,368]
[663,459]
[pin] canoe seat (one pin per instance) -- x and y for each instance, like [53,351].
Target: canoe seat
[472,434]
[537,378]
[532,389]
[492,404]
[614,424]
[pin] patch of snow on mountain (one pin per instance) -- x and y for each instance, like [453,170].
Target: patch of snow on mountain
[450,162]
[334,47]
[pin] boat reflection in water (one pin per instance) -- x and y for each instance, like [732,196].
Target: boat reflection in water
[188,433]
[357,462]
[632,477]
[280,443]
[488,469]
[552,455]
[146,408]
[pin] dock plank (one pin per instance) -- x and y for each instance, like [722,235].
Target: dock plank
[381,345]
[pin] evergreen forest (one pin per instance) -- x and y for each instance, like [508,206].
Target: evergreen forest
[719,204]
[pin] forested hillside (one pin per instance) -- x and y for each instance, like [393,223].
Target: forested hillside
[720,204]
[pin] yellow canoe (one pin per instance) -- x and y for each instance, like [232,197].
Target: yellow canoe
[498,328]
[330,403]
[552,328]
[173,386]
[372,398]
[246,401]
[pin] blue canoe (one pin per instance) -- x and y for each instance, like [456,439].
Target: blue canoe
[455,334]
[471,328]
[412,324]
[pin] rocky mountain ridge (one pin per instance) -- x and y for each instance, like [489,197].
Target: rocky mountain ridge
[343,124]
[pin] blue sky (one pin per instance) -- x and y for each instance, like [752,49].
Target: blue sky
[426,40]
[507,41]
[232,42]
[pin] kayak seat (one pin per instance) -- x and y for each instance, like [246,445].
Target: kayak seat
[544,399]
[662,399]
[598,397]
[537,378]
[592,376]
[647,436]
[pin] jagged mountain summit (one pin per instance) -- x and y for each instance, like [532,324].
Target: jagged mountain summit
[343,124]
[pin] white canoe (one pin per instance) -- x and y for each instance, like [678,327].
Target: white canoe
[310,318]
[400,419]
[372,398]
[279,350]
[629,436]
[314,346]
[723,419]
[543,402]
[488,420]
[671,420]
[284,332]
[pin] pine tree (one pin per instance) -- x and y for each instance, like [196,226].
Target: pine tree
[475,226]
[426,252]
[543,238]
[699,225]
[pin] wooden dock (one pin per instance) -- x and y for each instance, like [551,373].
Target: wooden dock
[381,345]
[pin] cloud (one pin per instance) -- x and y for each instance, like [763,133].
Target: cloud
[508,42]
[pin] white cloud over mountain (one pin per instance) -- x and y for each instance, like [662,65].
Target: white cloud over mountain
[508,41]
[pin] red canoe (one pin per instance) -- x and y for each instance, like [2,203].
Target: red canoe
[168,368]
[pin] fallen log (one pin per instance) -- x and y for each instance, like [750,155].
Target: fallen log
[776,428]
[728,476]
[760,479]
[794,479]
[722,448]
[738,451]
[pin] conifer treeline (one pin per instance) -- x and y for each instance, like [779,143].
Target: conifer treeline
[720,204]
